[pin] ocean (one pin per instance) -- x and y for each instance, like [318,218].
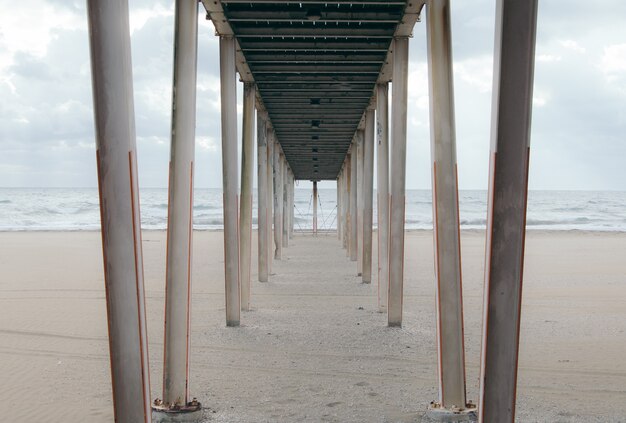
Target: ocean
[77,209]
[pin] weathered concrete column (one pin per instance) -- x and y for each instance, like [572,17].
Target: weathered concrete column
[177,337]
[286,214]
[245,211]
[270,197]
[398,181]
[228,86]
[359,201]
[382,190]
[278,202]
[348,213]
[292,196]
[262,186]
[314,207]
[353,203]
[116,160]
[516,24]
[346,203]
[368,193]
[446,231]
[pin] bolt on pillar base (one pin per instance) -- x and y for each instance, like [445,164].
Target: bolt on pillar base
[437,413]
[170,413]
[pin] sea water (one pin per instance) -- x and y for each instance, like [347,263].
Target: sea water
[76,209]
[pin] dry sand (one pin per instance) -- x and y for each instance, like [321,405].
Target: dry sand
[314,348]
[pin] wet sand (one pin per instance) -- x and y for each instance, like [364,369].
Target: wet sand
[314,348]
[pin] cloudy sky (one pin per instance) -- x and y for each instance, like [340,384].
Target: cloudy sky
[579,116]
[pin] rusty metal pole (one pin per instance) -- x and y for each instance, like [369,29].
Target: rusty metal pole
[368,193]
[116,160]
[398,180]
[262,219]
[314,207]
[382,149]
[516,26]
[229,179]
[447,237]
[245,207]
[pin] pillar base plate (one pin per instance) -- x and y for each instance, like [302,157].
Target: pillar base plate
[190,413]
[437,413]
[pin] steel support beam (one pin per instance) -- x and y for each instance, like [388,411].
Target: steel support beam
[516,25]
[228,87]
[262,186]
[447,242]
[180,216]
[278,202]
[398,180]
[111,72]
[245,209]
[368,193]
[382,190]
[360,201]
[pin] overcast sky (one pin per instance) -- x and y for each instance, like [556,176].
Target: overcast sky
[579,115]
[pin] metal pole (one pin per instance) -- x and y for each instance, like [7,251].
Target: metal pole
[270,198]
[314,207]
[398,182]
[229,179]
[285,203]
[447,242]
[359,202]
[516,25]
[112,82]
[245,211]
[353,201]
[262,219]
[382,133]
[180,213]
[368,193]
[278,202]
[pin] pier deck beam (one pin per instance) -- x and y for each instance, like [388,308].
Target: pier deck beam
[446,233]
[368,193]
[245,213]
[228,88]
[382,190]
[116,148]
[398,180]
[262,217]
[516,24]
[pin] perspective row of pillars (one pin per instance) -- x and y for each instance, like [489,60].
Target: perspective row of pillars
[121,223]
[508,186]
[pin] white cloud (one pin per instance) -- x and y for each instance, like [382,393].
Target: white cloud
[477,72]
[613,63]
[573,45]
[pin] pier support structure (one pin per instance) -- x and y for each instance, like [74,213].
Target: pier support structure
[116,160]
[262,182]
[245,211]
[359,201]
[286,213]
[516,24]
[349,205]
[278,202]
[382,190]
[270,197]
[446,233]
[353,202]
[368,193]
[339,205]
[398,179]
[228,86]
[315,208]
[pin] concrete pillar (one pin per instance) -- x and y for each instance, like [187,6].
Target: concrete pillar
[516,23]
[346,203]
[180,214]
[353,203]
[262,185]
[359,202]
[228,86]
[314,207]
[368,193]
[382,190]
[245,211]
[348,212]
[338,209]
[446,231]
[398,182]
[285,204]
[270,198]
[292,196]
[278,202]
[111,72]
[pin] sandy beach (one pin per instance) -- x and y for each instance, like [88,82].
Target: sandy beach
[314,348]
